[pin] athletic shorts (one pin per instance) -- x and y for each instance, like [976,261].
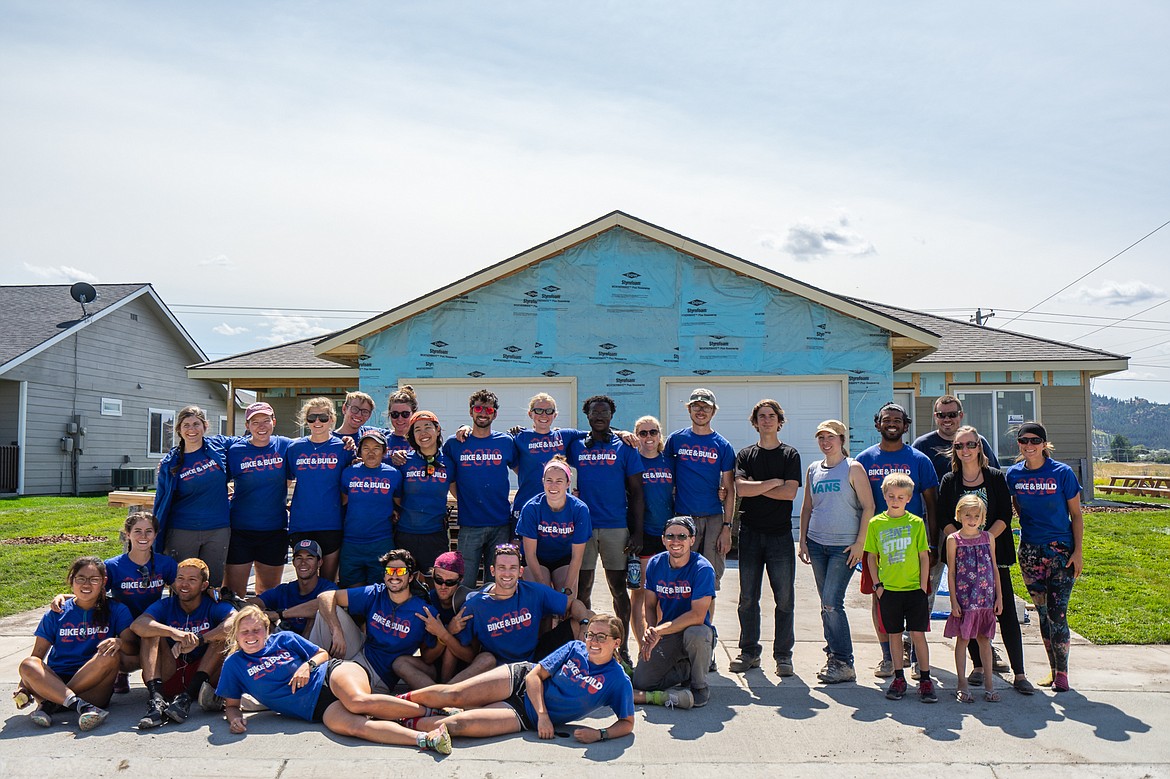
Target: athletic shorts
[181,679]
[651,545]
[326,697]
[553,565]
[519,693]
[904,610]
[610,544]
[328,540]
[267,547]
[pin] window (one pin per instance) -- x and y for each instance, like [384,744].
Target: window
[161,432]
[997,413]
[111,407]
[223,428]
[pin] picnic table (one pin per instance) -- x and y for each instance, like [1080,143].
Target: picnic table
[1137,484]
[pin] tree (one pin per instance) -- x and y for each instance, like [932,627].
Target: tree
[1121,449]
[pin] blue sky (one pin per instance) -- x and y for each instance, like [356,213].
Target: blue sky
[351,156]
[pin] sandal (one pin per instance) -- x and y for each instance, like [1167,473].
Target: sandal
[991,696]
[962,696]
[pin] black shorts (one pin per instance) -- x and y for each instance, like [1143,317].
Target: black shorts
[425,547]
[326,697]
[267,547]
[651,545]
[904,610]
[328,540]
[553,565]
[519,693]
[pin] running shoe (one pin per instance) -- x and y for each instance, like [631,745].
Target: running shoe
[179,709]
[40,717]
[154,713]
[897,690]
[884,669]
[90,716]
[208,700]
[926,692]
[439,740]
[700,696]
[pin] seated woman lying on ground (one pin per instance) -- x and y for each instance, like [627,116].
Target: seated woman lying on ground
[566,685]
[292,676]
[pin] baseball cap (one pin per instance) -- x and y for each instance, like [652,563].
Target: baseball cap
[375,436]
[702,395]
[259,407]
[833,426]
[307,545]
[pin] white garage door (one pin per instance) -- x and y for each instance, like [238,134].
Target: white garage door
[448,399]
[807,401]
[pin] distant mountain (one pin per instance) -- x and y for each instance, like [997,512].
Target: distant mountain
[1139,420]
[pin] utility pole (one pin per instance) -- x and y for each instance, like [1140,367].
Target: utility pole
[980,318]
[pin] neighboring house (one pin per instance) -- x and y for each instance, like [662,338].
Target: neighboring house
[624,308]
[117,373]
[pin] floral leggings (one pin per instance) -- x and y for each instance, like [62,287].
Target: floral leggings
[1050,579]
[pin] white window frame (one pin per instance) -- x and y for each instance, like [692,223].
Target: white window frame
[223,425]
[111,407]
[991,389]
[164,415]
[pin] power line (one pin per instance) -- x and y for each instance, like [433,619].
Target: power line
[1106,327]
[1088,273]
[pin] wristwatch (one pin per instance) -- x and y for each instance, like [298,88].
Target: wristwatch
[726,524]
[604,734]
[312,664]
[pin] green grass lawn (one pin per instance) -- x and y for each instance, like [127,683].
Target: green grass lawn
[31,573]
[1123,595]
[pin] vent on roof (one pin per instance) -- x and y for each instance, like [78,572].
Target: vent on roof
[134,317]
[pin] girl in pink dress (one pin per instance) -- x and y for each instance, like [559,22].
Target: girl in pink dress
[975,594]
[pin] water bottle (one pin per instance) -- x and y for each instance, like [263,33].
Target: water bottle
[633,572]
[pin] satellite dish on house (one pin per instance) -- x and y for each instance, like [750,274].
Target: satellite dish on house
[83,293]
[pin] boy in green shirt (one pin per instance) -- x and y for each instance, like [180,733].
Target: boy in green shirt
[899,563]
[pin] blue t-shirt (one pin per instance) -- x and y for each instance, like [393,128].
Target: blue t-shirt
[601,478]
[1042,496]
[392,629]
[266,675]
[287,595]
[699,463]
[480,471]
[424,496]
[207,616]
[676,588]
[908,460]
[261,489]
[577,686]
[555,531]
[201,498]
[533,451]
[509,628]
[369,512]
[657,494]
[394,443]
[137,587]
[75,637]
[317,468]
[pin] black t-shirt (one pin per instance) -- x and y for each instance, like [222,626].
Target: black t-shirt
[754,463]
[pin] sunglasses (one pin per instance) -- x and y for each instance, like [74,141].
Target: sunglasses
[397,570]
[544,412]
[1030,440]
[317,417]
[482,410]
[598,637]
[446,582]
[400,414]
[947,414]
[648,433]
[675,536]
[969,445]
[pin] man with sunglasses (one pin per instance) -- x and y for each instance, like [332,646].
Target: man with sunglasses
[506,616]
[948,418]
[293,605]
[678,642]
[479,481]
[447,622]
[393,618]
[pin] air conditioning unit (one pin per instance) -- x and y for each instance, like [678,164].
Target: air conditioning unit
[132,478]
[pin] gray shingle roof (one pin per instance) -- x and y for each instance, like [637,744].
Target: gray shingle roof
[966,342]
[295,354]
[32,315]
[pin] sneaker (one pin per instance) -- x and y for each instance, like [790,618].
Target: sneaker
[884,669]
[896,690]
[701,696]
[926,692]
[681,698]
[915,673]
[122,684]
[154,713]
[208,700]
[179,709]
[1047,680]
[907,652]
[40,717]
[743,662]
[1060,682]
[439,740]
[821,674]
[998,664]
[90,716]
[838,672]
[784,668]
[975,678]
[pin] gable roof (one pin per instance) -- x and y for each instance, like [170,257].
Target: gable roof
[908,341]
[967,347]
[293,360]
[36,317]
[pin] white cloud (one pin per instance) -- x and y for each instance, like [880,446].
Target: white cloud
[218,261]
[226,329]
[64,273]
[284,328]
[1116,293]
[806,241]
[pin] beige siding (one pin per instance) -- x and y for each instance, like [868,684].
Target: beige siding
[1062,411]
[113,358]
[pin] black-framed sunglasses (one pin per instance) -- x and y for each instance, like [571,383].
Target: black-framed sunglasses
[676,536]
[648,433]
[400,414]
[1030,440]
[947,414]
[446,582]
[317,417]
[968,445]
[544,412]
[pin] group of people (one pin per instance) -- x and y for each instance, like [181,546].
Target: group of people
[378,600]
